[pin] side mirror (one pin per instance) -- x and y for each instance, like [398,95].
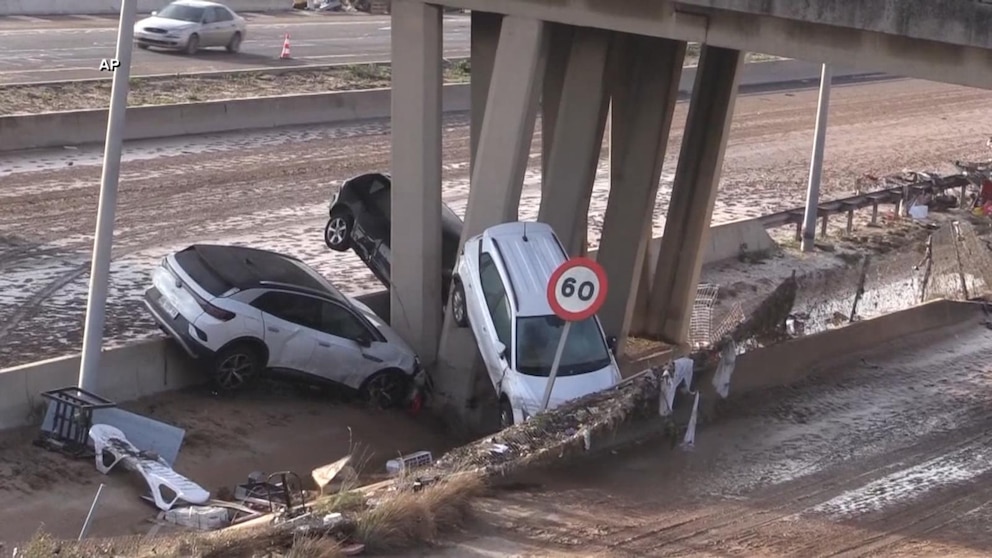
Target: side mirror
[363,341]
[611,342]
[501,350]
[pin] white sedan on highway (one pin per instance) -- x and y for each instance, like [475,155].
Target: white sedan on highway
[189,25]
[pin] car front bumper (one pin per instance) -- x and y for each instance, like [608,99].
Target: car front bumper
[177,328]
[159,40]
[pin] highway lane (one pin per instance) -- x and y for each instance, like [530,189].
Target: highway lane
[35,51]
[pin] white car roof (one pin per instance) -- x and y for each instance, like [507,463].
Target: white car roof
[529,263]
[199,3]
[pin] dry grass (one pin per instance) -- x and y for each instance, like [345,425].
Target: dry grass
[404,518]
[95,94]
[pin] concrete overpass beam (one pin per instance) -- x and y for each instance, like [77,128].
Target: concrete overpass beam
[502,157]
[697,179]
[644,86]
[578,139]
[415,299]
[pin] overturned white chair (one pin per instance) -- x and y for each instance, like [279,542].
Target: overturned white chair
[167,486]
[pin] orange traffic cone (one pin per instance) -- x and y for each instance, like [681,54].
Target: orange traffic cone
[285,47]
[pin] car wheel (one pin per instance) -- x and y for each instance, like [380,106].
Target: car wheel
[337,233]
[193,45]
[142,46]
[386,389]
[458,310]
[505,413]
[234,45]
[235,367]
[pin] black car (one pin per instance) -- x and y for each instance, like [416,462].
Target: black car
[359,219]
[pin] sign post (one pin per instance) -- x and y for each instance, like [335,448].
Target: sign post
[576,291]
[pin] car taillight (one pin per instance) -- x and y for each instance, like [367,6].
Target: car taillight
[215,312]
[219,313]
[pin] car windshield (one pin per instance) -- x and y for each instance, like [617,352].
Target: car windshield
[537,339]
[182,12]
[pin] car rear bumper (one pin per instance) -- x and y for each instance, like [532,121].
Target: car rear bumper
[177,328]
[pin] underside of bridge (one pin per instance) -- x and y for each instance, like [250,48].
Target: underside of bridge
[573,76]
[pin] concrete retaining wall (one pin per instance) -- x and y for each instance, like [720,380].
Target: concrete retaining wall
[796,360]
[105,7]
[55,129]
[130,372]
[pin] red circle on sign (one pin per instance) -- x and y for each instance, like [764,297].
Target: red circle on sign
[576,266]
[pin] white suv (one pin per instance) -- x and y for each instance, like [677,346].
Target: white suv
[248,311]
[500,290]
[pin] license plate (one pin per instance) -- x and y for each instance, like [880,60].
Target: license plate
[168,307]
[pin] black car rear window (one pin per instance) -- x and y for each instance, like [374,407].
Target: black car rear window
[195,267]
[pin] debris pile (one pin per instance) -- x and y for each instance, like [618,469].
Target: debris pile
[569,429]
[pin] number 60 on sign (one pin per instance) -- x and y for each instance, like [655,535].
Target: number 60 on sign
[576,291]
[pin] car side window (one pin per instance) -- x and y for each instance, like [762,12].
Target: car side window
[220,14]
[335,320]
[496,299]
[293,308]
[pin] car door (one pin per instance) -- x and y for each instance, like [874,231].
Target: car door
[209,32]
[289,321]
[494,318]
[373,228]
[341,354]
[225,25]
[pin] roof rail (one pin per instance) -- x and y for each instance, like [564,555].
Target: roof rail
[297,288]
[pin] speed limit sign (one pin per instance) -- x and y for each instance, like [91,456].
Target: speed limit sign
[577,289]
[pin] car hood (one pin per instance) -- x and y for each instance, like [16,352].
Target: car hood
[165,23]
[567,388]
[389,333]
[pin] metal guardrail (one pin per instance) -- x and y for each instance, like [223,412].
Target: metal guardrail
[905,187]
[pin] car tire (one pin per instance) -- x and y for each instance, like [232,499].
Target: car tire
[234,45]
[386,389]
[459,311]
[337,232]
[193,44]
[142,46]
[505,413]
[235,367]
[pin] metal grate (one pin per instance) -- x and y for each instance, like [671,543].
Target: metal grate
[701,319]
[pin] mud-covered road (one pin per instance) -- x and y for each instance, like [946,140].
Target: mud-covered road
[888,455]
[271,188]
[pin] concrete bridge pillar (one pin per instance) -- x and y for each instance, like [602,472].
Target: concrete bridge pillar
[484,38]
[415,300]
[577,134]
[501,159]
[644,87]
[694,190]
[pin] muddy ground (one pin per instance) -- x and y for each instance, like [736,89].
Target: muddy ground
[886,454]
